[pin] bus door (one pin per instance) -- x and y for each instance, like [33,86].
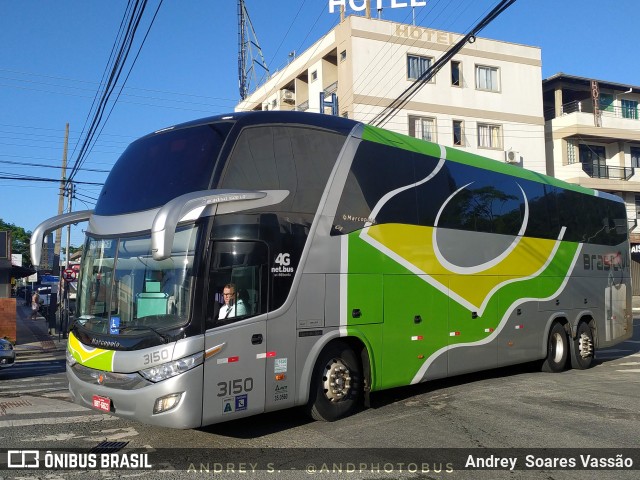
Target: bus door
[235,339]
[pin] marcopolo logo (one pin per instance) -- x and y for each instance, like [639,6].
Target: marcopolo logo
[361,5]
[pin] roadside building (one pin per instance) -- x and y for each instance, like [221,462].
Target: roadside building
[592,130]
[487,100]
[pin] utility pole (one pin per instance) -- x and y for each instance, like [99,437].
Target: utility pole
[63,180]
[53,302]
[69,202]
[64,317]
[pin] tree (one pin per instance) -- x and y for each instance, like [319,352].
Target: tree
[19,241]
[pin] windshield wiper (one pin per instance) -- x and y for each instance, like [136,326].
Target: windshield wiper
[164,338]
[90,319]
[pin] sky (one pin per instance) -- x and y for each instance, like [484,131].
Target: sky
[53,55]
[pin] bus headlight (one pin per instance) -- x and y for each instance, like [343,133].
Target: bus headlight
[171,369]
[166,403]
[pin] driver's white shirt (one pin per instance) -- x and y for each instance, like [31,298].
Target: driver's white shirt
[227,311]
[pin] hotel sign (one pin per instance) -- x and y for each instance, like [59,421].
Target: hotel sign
[419,33]
[361,5]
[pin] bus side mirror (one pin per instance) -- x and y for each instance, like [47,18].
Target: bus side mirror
[37,237]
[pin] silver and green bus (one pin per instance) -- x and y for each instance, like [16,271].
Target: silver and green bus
[359,260]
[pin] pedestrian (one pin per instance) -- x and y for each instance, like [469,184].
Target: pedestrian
[35,305]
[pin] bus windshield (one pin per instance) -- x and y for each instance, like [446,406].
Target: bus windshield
[124,291]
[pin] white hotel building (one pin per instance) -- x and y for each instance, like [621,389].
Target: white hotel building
[487,100]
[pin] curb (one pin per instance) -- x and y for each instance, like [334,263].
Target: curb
[30,349]
[36,351]
[38,354]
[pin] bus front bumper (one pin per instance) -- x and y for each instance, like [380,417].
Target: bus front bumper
[137,401]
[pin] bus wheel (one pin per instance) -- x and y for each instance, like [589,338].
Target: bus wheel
[582,357]
[557,350]
[336,383]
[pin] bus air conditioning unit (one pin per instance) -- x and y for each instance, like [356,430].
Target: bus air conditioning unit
[287,96]
[512,157]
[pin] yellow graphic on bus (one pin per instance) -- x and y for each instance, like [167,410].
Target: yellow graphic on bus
[89,356]
[412,245]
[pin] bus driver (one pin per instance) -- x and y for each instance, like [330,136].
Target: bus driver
[231,307]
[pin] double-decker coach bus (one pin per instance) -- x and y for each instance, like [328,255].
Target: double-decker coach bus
[352,260]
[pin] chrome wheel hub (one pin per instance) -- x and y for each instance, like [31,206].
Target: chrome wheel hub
[558,347]
[585,346]
[336,380]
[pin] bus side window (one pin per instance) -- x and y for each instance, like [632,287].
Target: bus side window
[242,264]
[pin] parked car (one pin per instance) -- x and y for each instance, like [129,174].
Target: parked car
[7,354]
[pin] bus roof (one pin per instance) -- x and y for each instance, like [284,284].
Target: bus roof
[329,122]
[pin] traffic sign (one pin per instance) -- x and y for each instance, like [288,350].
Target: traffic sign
[69,274]
[48,279]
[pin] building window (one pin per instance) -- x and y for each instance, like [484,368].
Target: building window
[423,128]
[487,78]
[594,160]
[314,75]
[456,74]
[458,133]
[637,206]
[489,136]
[343,55]
[606,102]
[417,66]
[635,157]
[629,108]
[571,152]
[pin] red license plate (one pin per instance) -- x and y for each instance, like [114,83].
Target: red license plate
[102,403]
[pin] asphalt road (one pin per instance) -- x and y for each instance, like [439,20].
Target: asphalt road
[591,411]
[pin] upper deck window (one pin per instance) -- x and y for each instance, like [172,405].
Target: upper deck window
[160,167]
[277,157]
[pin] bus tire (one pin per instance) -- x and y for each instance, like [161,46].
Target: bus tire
[583,348]
[336,384]
[557,349]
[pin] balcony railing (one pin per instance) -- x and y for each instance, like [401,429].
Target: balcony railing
[303,107]
[586,106]
[605,171]
[331,88]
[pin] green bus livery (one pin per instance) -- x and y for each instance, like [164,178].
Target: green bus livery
[257,261]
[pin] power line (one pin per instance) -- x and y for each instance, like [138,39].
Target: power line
[128,74]
[94,84]
[116,71]
[124,39]
[24,164]
[104,73]
[411,91]
[399,60]
[13,176]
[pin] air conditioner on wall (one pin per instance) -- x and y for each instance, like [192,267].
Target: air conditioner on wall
[513,157]
[288,96]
